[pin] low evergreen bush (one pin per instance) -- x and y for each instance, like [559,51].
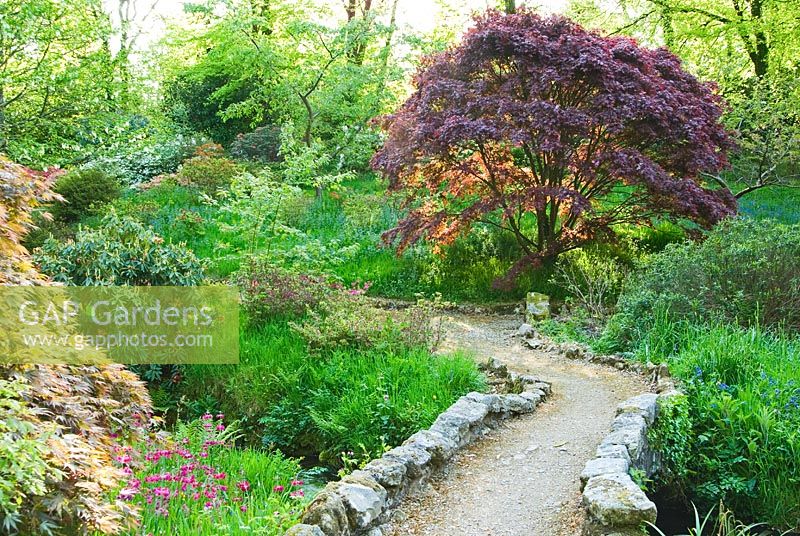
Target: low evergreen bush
[84,192]
[121,252]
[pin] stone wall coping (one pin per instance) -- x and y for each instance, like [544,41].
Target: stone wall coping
[614,503]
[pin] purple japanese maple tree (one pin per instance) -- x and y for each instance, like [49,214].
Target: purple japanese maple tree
[555,134]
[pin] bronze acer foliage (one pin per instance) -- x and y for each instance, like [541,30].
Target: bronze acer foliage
[22,191]
[555,134]
[58,423]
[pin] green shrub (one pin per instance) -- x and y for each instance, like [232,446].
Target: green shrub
[672,438]
[84,191]
[313,254]
[208,170]
[369,213]
[261,145]
[24,469]
[256,207]
[592,281]
[744,272]
[45,228]
[121,252]
[334,402]
[346,320]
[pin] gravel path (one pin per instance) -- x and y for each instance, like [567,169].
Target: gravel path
[522,478]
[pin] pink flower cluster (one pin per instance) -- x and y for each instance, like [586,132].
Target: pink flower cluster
[294,493]
[162,476]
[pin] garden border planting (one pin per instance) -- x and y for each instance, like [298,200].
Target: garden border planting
[360,502]
[615,505]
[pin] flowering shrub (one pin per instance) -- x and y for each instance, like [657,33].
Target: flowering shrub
[148,158]
[269,291]
[196,482]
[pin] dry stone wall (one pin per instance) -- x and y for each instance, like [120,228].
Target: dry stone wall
[615,504]
[361,502]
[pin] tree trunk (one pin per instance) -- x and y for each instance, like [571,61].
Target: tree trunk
[3,140]
[350,9]
[387,48]
[760,53]
[358,50]
[666,27]
[308,129]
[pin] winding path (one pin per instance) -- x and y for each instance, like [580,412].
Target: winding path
[522,478]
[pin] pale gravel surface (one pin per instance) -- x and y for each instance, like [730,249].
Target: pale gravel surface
[522,478]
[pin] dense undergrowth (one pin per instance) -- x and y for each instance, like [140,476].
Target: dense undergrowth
[720,313]
[240,149]
[325,378]
[344,401]
[339,232]
[329,379]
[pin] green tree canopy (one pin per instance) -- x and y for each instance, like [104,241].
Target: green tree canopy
[283,62]
[56,79]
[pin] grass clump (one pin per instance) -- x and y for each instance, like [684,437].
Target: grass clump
[340,401]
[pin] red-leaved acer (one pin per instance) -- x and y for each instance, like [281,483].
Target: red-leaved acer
[554,133]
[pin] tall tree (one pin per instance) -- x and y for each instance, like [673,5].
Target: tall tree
[722,39]
[554,134]
[360,18]
[328,79]
[131,22]
[745,18]
[751,48]
[54,73]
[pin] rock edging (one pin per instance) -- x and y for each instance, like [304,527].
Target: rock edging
[614,503]
[360,502]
